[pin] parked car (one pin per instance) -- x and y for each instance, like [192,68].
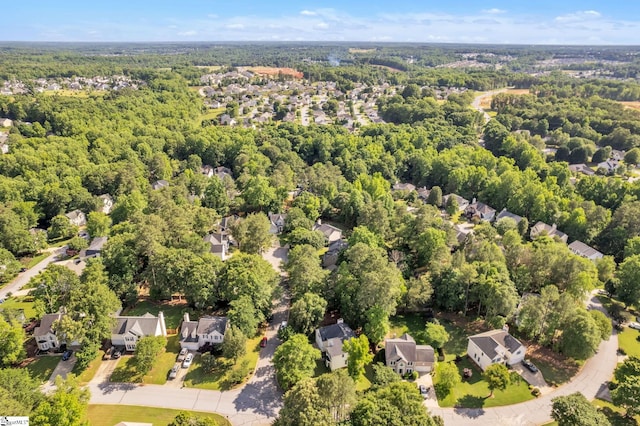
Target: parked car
[23,269]
[182,354]
[263,342]
[529,366]
[1,300]
[116,354]
[283,324]
[635,325]
[174,370]
[424,391]
[67,354]
[187,361]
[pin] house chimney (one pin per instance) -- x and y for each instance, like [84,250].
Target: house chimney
[163,327]
[340,321]
[319,221]
[554,227]
[185,318]
[474,200]
[505,328]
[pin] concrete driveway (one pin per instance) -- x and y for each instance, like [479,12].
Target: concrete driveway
[535,379]
[24,277]
[105,370]
[62,369]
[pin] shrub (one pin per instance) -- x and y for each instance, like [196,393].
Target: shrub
[535,392]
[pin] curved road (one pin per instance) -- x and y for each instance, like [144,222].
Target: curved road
[589,381]
[478,100]
[256,403]
[23,278]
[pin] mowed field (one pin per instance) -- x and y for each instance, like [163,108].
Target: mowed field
[486,102]
[273,71]
[631,105]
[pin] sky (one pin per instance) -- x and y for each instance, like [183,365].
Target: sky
[448,21]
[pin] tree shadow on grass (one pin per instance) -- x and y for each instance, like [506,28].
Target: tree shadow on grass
[470,401]
[126,373]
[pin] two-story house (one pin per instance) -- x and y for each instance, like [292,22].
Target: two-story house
[404,356]
[129,329]
[45,334]
[196,334]
[495,347]
[330,339]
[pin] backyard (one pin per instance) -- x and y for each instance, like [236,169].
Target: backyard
[173,312]
[24,303]
[628,341]
[473,392]
[219,379]
[106,415]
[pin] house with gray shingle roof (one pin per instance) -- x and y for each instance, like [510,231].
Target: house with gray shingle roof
[218,244]
[495,347]
[45,335]
[77,218]
[330,339]
[129,329]
[581,249]
[541,228]
[196,334]
[404,356]
[504,213]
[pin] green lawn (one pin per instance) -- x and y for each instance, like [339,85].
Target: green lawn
[365,381]
[85,376]
[218,380]
[627,341]
[211,114]
[109,415]
[615,414]
[125,372]
[42,367]
[412,323]
[472,393]
[24,302]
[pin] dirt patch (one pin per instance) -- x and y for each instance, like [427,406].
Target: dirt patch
[356,50]
[386,68]
[555,367]
[631,105]
[274,72]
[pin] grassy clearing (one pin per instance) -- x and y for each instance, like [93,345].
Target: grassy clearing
[628,341]
[615,414]
[365,381]
[109,415]
[556,369]
[42,367]
[472,393]
[74,93]
[219,379]
[24,303]
[631,105]
[212,114]
[172,313]
[85,376]
[413,324]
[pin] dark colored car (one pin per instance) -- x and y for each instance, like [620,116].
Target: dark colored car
[67,354]
[23,269]
[263,342]
[529,366]
[116,354]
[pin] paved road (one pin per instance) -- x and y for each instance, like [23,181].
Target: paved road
[256,403]
[23,278]
[478,100]
[593,376]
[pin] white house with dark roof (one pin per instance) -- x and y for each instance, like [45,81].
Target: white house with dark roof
[404,356]
[130,329]
[77,218]
[218,244]
[541,228]
[330,339]
[581,249]
[45,335]
[196,334]
[95,248]
[330,232]
[495,347]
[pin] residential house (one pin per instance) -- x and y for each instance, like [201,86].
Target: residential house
[226,120]
[207,171]
[330,339]
[221,172]
[404,356]
[45,336]
[77,218]
[196,334]
[581,249]
[462,231]
[330,258]
[331,233]
[129,329]
[495,347]
[541,228]
[581,168]
[423,194]
[218,244]
[107,203]
[277,221]
[504,213]
[617,155]
[608,167]
[480,210]
[462,202]
[404,187]
[4,148]
[226,222]
[95,248]
[159,184]
[6,122]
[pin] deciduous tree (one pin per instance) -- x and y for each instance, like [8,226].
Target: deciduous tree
[12,337]
[234,345]
[576,410]
[307,312]
[497,377]
[147,350]
[294,361]
[357,349]
[436,335]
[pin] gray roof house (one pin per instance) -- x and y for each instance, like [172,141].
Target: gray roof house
[404,356]
[403,187]
[463,203]
[129,329]
[195,334]
[218,244]
[277,221]
[159,184]
[495,347]
[95,248]
[541,228]
[330,258]
[505,213]
[77,218]
[44,335]
[331,233]
[581,168]
[330,339]
[581,249]
[480,210]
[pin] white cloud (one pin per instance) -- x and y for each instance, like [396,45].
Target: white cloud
[321,25]
[308,13]
[189,33]
[583,15]
[494,11]
[236,26]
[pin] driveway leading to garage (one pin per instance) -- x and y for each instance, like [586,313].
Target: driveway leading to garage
[62,369]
